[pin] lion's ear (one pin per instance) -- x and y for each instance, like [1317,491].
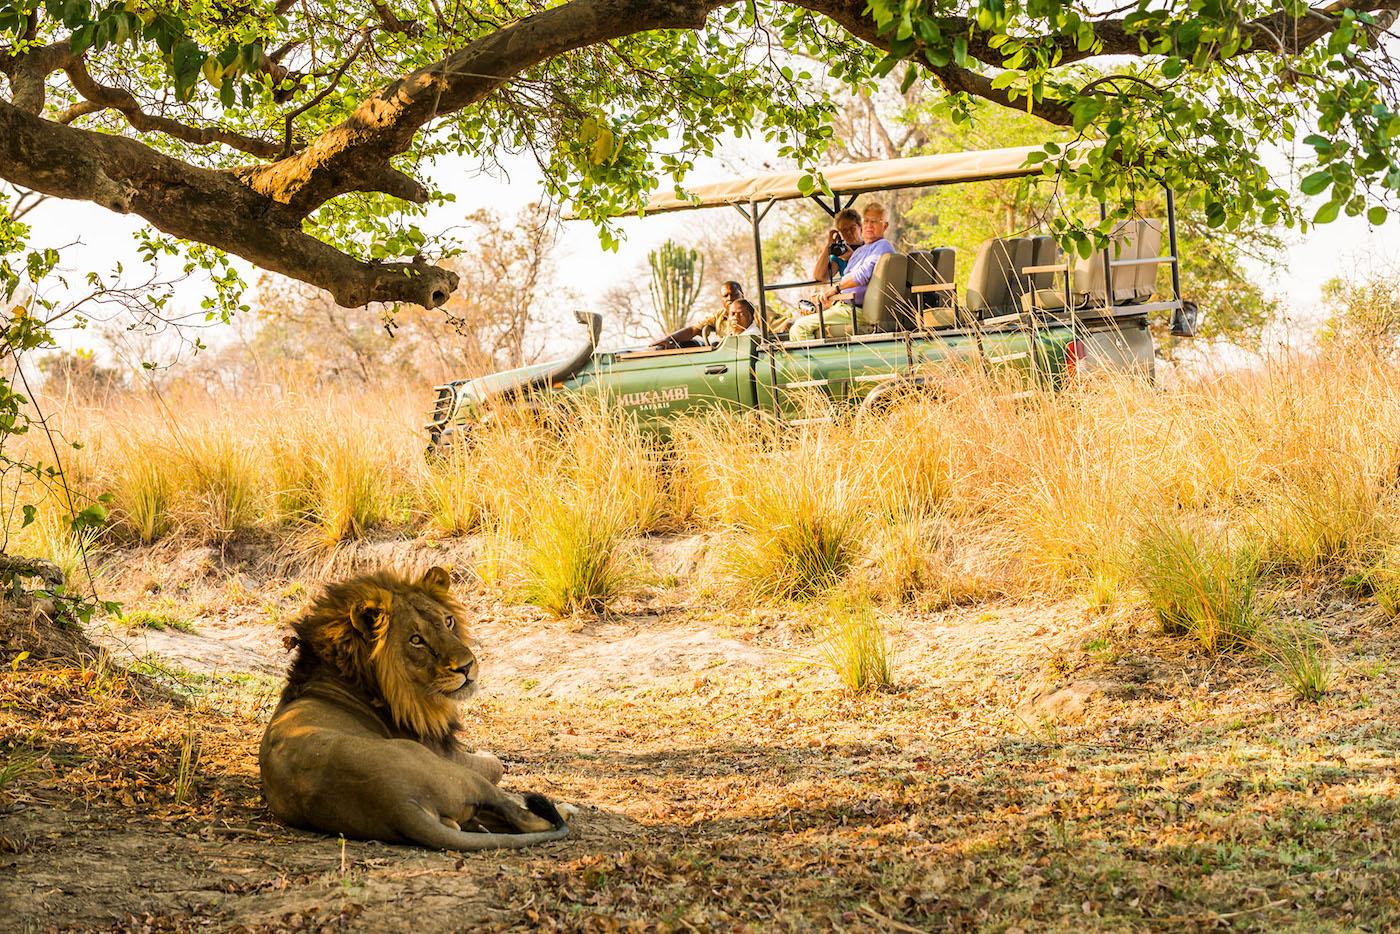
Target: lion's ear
[366,614]
[436,578]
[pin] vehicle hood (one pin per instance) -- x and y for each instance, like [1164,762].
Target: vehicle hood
[483,388]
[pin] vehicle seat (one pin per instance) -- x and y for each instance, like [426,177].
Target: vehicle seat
[1149,246]
[887,298]
[1089,273]
[1047,289]
[996,284]
[929,267]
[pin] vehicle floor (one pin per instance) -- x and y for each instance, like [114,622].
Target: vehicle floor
[1037,767]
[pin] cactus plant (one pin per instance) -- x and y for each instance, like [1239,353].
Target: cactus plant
[676,276]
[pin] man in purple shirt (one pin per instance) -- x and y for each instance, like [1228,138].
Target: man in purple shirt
[838,315]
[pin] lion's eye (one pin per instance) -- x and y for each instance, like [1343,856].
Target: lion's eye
[450,623]
[416,640]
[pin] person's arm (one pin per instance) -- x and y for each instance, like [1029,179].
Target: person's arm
[688,333]
[824,267]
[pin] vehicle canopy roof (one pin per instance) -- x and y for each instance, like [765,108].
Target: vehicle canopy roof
[857,178]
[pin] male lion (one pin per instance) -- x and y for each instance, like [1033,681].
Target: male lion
[363,740]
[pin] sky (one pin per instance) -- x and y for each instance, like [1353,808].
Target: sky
[102,239]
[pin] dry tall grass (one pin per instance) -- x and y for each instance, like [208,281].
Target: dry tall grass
[945,497]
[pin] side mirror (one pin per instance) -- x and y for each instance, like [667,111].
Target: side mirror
[1185,320]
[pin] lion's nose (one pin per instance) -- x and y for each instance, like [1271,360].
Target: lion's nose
[467,669]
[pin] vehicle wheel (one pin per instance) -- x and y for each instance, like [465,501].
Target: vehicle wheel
[888,394]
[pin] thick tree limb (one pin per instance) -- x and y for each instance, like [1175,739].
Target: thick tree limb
[104,97]
[200,204]
[28,71]
[384,125]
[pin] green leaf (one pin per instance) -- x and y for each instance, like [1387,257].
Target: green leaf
[1316,183]
[1376,215]
[807,184]
[910,76]
[1327,213]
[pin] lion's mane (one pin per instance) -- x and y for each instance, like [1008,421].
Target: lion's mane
[345,632]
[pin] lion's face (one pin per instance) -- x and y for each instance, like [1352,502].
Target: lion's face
[425,637]
[402,639]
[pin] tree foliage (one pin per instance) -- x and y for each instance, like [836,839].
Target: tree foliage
[301,136]
[1363,313]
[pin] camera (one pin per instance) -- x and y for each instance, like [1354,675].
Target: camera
[838,247]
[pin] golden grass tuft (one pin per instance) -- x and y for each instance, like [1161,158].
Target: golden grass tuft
[568,553]
[1301,656]
[1199,585]
[854,646]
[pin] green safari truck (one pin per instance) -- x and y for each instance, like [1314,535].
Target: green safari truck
[1026,306]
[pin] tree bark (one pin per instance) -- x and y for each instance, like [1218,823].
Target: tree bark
[206,205]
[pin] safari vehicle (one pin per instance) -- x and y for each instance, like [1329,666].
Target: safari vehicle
[1026,306]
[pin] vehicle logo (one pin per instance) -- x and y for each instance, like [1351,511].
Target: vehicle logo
[654,398]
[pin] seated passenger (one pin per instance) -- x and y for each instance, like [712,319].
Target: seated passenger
[831,264]
[687,336]
[857,275]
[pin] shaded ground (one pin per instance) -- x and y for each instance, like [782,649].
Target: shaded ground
[1038,770]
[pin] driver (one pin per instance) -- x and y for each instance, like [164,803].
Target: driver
[721,321]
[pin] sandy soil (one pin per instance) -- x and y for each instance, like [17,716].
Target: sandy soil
[1036,769]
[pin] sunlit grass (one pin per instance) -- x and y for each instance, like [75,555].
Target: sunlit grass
[1299,457]
[568,554]
[221,481]
[1301,656]
[854,646]
[1200,586]
[143,492]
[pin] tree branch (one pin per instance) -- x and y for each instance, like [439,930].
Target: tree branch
[1113,36]
[27,72]
[103,97]
[384,125]
[205,205]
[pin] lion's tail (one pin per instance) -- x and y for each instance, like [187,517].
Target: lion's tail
[422,828]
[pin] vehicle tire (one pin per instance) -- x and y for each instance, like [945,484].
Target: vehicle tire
[888,394]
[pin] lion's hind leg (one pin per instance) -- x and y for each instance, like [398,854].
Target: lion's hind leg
[457,797]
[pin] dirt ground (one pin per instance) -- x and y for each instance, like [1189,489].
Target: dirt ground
[1038,768]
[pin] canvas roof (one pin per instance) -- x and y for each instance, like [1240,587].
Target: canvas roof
[858,177]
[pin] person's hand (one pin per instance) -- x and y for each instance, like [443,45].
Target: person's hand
[831,236]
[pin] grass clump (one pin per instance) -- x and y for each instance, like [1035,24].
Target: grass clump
[449,492]
[1199,586]
[799,519]
[854,646]
[351,489]
[159,618]
[143,492]
[223,482]
[569,555]
[1302,658]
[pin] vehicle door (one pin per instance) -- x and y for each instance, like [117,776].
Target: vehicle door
[811,377]
[660,386]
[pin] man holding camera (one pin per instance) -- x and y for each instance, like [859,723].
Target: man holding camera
[841,240]
[859,269]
